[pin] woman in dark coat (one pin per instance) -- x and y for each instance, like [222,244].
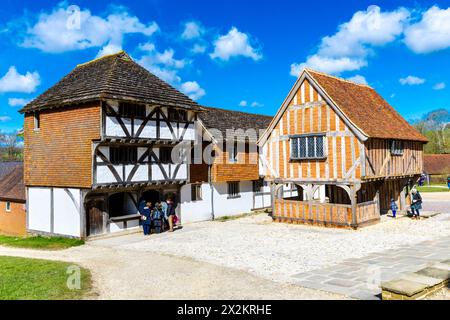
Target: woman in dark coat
[146,217]
[416,204]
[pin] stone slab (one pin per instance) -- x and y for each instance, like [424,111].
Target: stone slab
[442,266]
[403,287]
[415,277]
[342,283]
[435,273]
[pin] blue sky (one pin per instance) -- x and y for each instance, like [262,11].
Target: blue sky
[239,55]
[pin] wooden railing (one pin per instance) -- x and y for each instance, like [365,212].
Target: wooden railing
[313,212]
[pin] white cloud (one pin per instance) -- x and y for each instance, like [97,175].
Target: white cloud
[431,33]
[412,81]
[5,118]
[18,102]
[199,48]
[439,86]
[110,48]
[245,103]
[162,64]
[235,44]
[358,79]
[350,47]
[192,30]
[328,65]
[69,28]
[256,104]
[193,90]
[13,81]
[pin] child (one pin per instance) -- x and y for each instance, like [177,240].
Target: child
[394,208]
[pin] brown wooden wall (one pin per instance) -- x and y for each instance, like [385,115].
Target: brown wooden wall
[380,162]
[309,113]
[60,153]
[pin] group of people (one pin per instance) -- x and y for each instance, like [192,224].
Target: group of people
[416,205]
[157,217]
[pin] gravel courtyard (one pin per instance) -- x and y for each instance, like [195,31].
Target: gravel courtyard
[279,251]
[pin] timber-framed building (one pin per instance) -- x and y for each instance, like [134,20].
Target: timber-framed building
[106,136]
[344,147]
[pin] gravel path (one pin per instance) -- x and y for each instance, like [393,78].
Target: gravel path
[125,274]
[278,251]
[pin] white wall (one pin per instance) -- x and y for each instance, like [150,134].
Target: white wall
[39,209]
[67,212]
[194,211]
[230,207]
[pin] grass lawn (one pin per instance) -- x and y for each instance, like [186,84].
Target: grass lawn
[433,188]
[45,243]
[31,279]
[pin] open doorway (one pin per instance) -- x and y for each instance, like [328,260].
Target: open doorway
[153,196]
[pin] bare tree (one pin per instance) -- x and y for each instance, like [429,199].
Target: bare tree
[10,144]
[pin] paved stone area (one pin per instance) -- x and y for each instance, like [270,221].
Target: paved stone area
[360,278]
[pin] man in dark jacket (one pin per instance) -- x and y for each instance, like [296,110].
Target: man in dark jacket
[146,217]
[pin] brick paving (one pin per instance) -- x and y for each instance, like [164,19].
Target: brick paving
[360,278]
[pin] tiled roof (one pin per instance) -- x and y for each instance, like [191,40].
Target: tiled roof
[7,167]
[221,120]
[436,163]
[366,109]
[11,185]
[112,77]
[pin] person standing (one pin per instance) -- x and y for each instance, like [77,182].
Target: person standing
[170,213]
[448,182]
[146,217]
[394,208]
[416,203]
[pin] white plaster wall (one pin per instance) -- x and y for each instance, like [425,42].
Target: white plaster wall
[67,220]
[149,130]
[165,131]
[190,133]
[39,209]
[113,128]
[182,172]
[194,211]
[104,175]
[141,174]
[230,207]
[156,173]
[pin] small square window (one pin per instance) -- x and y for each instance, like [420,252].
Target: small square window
[196,192]
[397,148]
[8,206]
[233,190]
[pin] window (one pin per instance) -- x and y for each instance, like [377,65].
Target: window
[130,110]
[165,155]
[123,155]
[308,147]
[258,185]
[397,148]
[177,115]
[196,192]
[8,206]
[37,121]
[233,153]
[233,190]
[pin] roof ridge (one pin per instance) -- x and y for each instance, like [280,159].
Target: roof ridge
[337,78]
[223,109]
[122,52]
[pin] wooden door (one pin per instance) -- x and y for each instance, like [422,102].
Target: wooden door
[96,218]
